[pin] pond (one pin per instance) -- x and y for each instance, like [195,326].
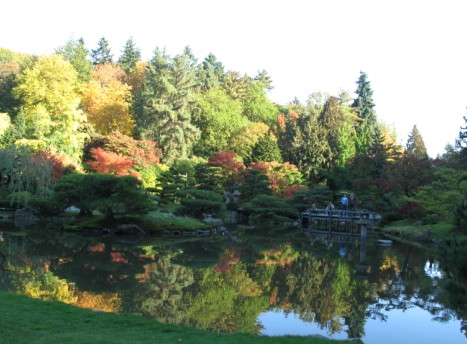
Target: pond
[270,282]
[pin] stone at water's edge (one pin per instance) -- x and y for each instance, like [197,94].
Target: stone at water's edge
[127,229]
[24,217]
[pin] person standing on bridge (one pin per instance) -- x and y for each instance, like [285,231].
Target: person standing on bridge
[345,204]
[352,202]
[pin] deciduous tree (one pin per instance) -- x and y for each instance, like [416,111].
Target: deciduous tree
[50,104]
[219,118]
[107,100]
[109,163]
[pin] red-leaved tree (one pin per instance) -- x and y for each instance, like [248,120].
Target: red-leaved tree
[231,166]
[110,163]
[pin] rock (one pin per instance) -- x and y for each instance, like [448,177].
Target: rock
[24,217]
[128,229]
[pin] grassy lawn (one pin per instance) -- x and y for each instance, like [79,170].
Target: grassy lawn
[154,221]
[410,230]
[25,320]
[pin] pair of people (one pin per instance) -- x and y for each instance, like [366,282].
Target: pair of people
[347,203]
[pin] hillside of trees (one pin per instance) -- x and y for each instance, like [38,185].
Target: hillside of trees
[181,128]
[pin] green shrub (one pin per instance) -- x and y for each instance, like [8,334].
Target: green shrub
[196,203]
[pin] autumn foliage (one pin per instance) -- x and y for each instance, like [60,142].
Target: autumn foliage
[285,178]
[229,163]
[110,163]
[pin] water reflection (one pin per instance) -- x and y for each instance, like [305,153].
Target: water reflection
[223,285]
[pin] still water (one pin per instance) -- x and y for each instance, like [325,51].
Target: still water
[269,282]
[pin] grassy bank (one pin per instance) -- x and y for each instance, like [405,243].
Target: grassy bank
[153,222]
[25,320]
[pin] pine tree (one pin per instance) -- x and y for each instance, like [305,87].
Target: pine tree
[415,145]
[168,95]
[265,79]
[210,73]
[102,54]
[130,56]
[266,149]
[331,120]
[76,53]
[365,111]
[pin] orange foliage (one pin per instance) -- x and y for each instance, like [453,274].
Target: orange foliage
[226,261]
[281,176]
[110,163]
[293,115]
[281,121]
[97,248]
[106,100]
[117,257]
[107,73]
[289,191]
[106,302]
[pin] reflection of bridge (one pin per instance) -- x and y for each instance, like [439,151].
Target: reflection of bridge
[348,229]
[339,223]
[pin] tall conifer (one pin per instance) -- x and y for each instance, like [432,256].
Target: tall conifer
[365,111]
[130,56]
[415,145]
[102,54]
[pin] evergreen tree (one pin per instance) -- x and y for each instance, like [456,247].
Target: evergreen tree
[76,53]
[331,120]
[102,54]
[130,56]
[255,183]
[266,149]
[303,141]
[236,85]
[415,145]
[365,111]
[9,73]
[169,100]
[265,79]
[15,131]
[210,73]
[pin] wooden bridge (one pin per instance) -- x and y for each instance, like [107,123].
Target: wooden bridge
[338,222]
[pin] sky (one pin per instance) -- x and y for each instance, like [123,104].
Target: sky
[413,51]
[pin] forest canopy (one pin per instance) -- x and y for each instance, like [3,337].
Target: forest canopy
[181,122]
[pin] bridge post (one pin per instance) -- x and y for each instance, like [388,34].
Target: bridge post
[363,230]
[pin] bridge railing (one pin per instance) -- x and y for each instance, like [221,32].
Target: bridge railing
[359,216]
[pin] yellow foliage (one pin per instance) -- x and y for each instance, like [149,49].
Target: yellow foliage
[106,302]
[33,146]
[4,122]
[108,106]
[243,142]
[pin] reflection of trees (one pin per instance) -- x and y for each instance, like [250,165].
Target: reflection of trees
[100,267]
[33,278]
[321,290]
[402,283]
[229,301]
[158,293]
[230,294]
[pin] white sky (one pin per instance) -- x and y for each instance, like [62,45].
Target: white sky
[414,51]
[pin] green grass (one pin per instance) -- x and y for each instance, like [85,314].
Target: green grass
[406,229]
[25,320]
[156,221]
